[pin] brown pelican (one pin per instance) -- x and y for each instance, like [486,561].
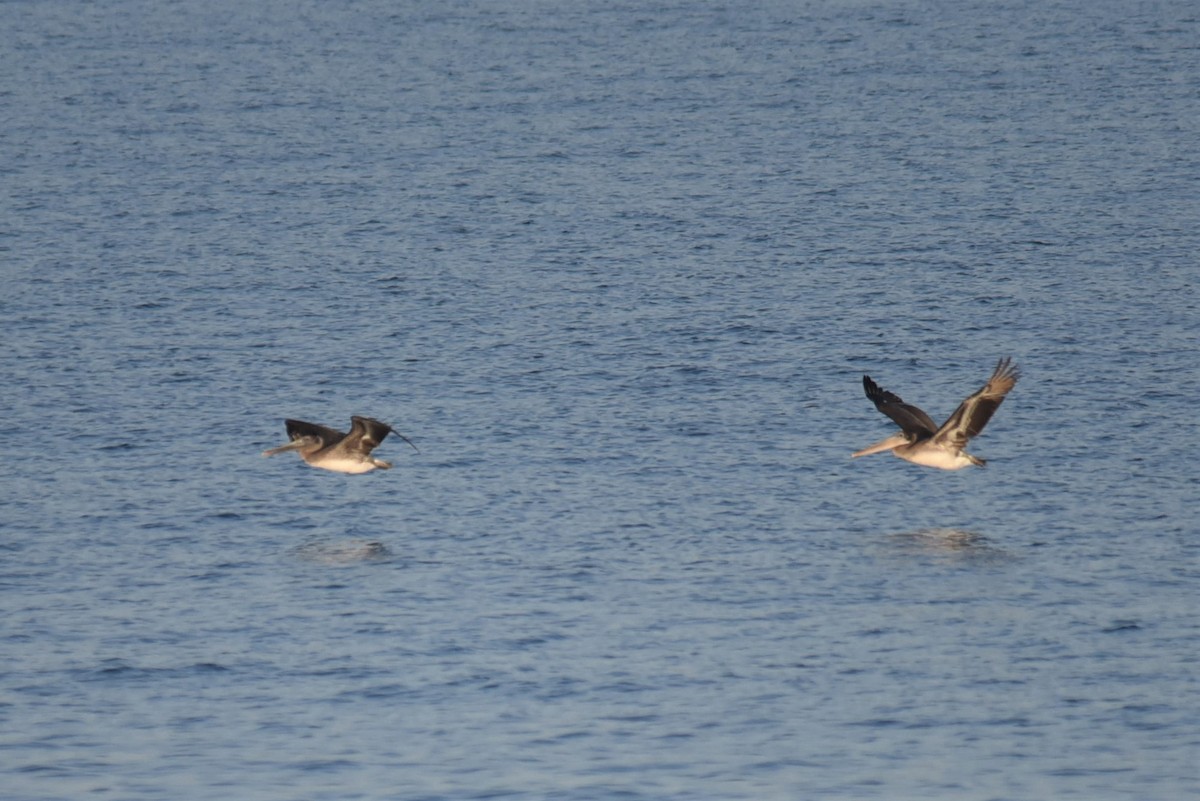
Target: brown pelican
[332,450]
[921,441]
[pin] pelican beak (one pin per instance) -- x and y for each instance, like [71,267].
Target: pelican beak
[894,441]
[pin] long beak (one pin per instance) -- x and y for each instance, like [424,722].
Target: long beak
[894,441]
[295,444]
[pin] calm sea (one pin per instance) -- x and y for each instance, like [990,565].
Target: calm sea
[617,269]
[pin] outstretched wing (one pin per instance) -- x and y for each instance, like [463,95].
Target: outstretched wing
[373,433]
[973,414]
[298,429]
[911,420]
[366,433]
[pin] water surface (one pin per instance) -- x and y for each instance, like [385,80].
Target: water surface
[618,272]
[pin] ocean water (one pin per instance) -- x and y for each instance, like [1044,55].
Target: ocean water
[617,270]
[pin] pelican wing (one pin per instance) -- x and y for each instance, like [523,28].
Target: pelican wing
[298,429]
[372,432]
[366,433]
[973,414]
[911,420]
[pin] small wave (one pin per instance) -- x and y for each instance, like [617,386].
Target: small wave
[119,669]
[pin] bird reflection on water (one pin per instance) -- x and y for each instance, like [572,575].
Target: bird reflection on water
[344,552]
[948,544]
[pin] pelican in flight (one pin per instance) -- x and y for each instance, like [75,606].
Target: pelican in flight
[332,450]
[921,441]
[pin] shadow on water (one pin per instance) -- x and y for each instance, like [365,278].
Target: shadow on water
[951,545]
[342,552]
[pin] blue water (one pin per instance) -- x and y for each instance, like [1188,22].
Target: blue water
[618,271]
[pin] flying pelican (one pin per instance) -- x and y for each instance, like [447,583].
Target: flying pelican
[332,450]
[921,441]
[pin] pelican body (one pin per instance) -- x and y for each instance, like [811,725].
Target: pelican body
[923,442]
[330,449]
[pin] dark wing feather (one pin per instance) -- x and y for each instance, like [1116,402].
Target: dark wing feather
[374,432]
[911,420]
[974,413]
[366,433]
[298,429]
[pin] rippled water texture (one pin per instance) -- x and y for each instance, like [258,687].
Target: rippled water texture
[617,271]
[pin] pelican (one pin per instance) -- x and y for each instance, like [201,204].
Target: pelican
[921,441]
[332,450]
